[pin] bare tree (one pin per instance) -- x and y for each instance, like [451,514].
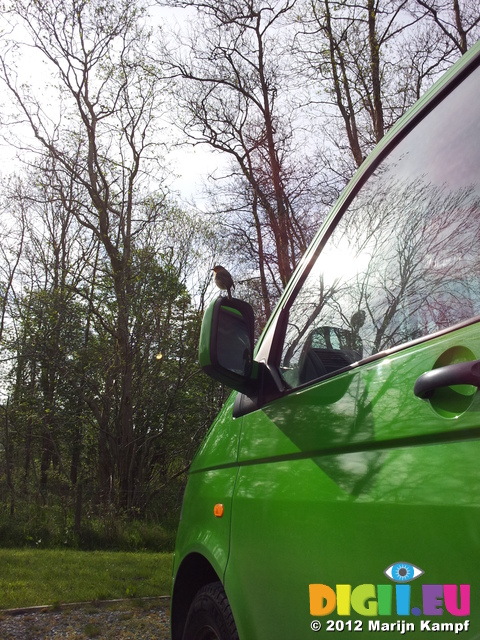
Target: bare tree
[370,60]
[13,230]
[458,22]
[102,140]
[233,88]
[13,225]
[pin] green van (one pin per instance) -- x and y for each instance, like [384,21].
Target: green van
[338,491]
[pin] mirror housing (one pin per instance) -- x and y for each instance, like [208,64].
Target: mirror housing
[226,344]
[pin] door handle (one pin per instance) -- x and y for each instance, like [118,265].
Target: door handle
[461,373]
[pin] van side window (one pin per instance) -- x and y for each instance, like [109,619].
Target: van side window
[404,260]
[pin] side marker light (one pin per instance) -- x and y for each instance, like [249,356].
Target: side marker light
[218,510]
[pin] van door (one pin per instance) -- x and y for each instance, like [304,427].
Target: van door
[357,501]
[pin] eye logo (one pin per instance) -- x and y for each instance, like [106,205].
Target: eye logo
[403,572]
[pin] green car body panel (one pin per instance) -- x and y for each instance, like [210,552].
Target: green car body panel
[339,505]
[334,481]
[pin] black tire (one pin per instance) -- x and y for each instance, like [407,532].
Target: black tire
[210,616]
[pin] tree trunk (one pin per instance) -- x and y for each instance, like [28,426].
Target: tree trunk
[377,116]
[8,461]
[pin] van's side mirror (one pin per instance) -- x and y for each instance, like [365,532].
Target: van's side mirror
[226,343]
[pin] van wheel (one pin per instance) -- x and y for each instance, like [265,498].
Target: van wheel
[210,616]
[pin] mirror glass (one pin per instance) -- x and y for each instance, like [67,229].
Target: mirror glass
[234,351]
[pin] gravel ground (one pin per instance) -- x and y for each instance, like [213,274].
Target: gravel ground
[130,619]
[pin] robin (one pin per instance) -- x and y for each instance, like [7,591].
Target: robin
[223,280]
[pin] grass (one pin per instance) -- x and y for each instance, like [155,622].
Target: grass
[30,577]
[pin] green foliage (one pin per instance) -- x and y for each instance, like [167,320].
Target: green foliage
[61,470]
[51,526]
